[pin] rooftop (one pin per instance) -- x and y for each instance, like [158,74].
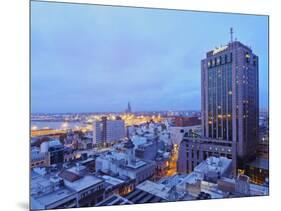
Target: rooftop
[172,180]
[87,160]
[112,180]
[40,202]
[69,175]
[255,190]
[38,182]
[192,178]
[129,144]
[229,46]
[83,183]
[114,200]
[213,164]
[45,192]
[139,197]
[137,164]
[156,189]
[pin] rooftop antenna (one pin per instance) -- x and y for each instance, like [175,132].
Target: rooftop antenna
[231,34]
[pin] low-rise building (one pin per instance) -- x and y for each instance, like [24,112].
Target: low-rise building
[148,192]
[193,151]
[213,168]
[114,200]
[38,159]
[67,188]
[125,164]
[50,193]
[241,187]
[118,185]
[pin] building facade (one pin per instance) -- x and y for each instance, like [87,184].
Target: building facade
[230,99]
[229,108]
[125,164]
[107,131]
[183,121]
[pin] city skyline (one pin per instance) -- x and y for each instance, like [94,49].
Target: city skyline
[135,106]
[148,57]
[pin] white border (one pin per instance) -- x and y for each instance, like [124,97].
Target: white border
[14,66]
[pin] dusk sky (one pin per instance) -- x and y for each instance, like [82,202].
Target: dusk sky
[89,58]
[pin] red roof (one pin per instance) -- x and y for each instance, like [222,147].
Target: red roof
[69,176]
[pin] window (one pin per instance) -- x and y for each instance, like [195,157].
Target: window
[222,59]
[213,62]
[217,61]
[247,56]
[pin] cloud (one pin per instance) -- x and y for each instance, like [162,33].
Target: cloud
[97,58]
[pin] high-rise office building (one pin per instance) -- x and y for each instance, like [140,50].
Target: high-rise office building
[107,131]
[229,107]
[230,99]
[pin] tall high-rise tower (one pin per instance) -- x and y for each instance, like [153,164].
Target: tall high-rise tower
[230,99]
[229,107]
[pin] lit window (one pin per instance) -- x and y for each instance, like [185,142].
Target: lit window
[247,56]
[218,61]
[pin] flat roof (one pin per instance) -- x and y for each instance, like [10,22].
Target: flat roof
[112,180]
[172,180]
[76,169]
[83,183]
[137,164]
[220,164]
[42,194]
[153,188]
[191,178]
[37,183]
[87,160]
[50,198]
[139,197]
[114,200]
